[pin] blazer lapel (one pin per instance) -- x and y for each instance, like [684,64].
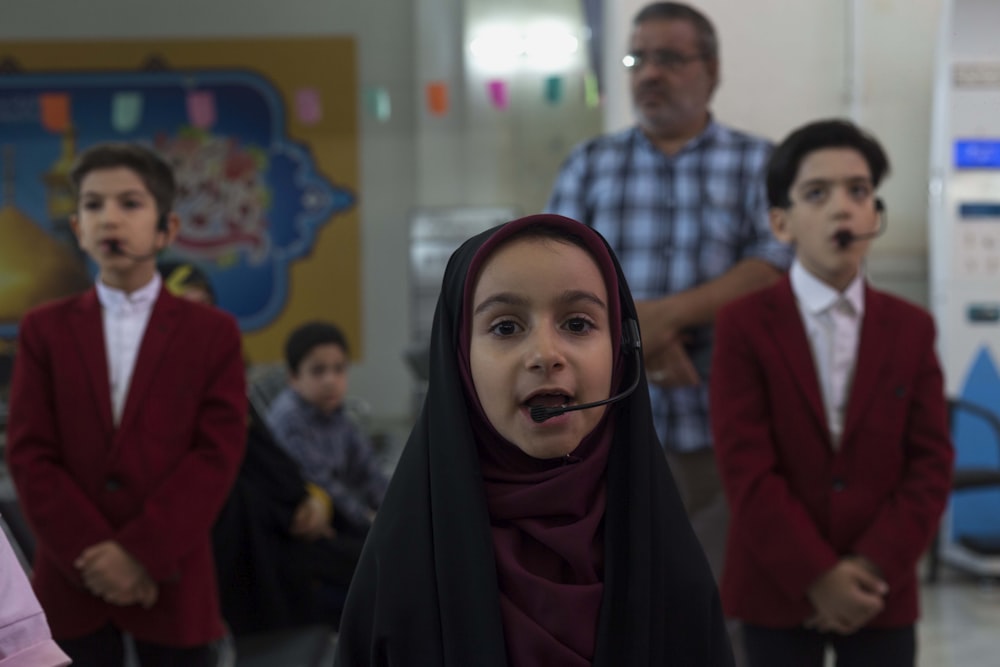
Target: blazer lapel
[154,343]
[88,330]
[792,342]
[873,352]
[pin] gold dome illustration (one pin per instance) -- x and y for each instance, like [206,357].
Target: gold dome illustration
[34,267]
[60,196]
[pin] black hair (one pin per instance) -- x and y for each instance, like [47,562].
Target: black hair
[148,165]
[708,41]
[307,337]
[177,275]
[783,165]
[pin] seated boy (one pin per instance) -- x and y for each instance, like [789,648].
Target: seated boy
[829,420]
[126,429]
[277,561]
[308,420]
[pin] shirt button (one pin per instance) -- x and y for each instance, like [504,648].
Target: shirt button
[838,484]
[112,484]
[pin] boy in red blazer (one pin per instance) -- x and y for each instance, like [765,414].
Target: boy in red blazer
[126,428]
[828,411]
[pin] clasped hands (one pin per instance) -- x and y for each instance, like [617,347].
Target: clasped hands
[847,596]
[112,574]
[667,362]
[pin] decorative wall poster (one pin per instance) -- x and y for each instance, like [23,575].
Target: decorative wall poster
[263,135]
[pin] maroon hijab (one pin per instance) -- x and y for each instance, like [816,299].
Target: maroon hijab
[546,516]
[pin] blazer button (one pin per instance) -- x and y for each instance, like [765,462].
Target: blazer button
[112,484]
[838,484]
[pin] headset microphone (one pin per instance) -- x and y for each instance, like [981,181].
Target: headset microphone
[540,413]
[845,237]
[115,248]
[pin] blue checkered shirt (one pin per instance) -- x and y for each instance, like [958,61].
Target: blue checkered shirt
[332,453]
[674,222]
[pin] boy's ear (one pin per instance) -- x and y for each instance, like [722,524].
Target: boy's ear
[74,224]
[168,233]
[779,224]
[713,72]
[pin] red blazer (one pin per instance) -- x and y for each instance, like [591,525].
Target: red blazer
[797,504]
[154,483]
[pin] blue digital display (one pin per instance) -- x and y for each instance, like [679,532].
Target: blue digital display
[977,154]
[984,312]
[979,210]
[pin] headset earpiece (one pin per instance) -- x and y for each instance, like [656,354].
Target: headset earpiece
[879,205]
[630,334]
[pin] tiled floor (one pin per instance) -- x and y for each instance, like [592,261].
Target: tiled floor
[961,623]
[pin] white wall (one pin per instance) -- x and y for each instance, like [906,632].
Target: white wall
[385,33]
[787,62]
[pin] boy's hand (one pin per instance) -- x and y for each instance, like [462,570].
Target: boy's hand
[109,572]
[311,520]
[846,597]
[145,593]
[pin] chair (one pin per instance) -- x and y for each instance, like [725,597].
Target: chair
[970,478]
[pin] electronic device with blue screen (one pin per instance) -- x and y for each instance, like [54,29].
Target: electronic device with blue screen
[964,219]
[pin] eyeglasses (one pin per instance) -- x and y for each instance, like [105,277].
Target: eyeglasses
[665,58]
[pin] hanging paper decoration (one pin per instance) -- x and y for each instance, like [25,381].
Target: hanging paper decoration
[55,112]
[591,93]
[437,98]
[308,106]
[553,89]
[378,103]
[201,108]
[126,111]
[498,92]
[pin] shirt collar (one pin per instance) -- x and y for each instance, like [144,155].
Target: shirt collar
[816,296]
[116,300]
[707,134]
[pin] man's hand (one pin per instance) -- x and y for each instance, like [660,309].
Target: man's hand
[112,574]
[672,367]
[659,320]
[846,597]
[667,362]
[311,520]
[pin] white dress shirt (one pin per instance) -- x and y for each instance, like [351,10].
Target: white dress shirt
[125,317]
[833,323]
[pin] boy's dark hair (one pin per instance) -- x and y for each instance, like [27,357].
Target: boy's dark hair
[708,42]
[783,165]
[304,339]
[155,172]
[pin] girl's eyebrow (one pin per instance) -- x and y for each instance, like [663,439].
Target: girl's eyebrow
[502,299]
[573,296]
[511,299]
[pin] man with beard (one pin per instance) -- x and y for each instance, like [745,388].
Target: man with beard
[680,198]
